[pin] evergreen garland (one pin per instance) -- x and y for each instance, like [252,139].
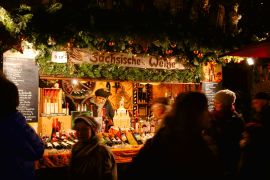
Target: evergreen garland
[187,32]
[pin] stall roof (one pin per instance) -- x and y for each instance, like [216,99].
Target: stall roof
[258,50]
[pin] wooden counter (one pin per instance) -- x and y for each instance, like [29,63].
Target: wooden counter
[53,158]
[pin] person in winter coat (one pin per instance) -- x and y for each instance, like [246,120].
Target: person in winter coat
[261,108]
[20,144]
[178,149]
[255,159]
[90,159]
[226,128]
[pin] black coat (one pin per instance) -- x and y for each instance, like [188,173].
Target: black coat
[92,160]
[20,147]
[226,129]
[166,156]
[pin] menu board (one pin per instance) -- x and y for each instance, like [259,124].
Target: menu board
[210,89]
[24,73]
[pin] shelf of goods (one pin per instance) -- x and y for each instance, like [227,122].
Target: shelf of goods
[142,96]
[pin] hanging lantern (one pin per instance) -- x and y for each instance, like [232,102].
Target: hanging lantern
[51,41]
[169,51]
[195,52]
[200,55]
[111,43]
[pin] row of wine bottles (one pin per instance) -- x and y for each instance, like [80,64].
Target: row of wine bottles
[59,142]
[122,138]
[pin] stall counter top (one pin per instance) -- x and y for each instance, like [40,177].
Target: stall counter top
[60,158]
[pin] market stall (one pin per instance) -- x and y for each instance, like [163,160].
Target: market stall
[65,88]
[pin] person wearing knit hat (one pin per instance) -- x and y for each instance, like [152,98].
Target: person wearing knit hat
[90,159]
[226,126]
[90,121]
[224,99]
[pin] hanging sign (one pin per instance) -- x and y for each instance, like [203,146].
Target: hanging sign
[79,56]
[59,57]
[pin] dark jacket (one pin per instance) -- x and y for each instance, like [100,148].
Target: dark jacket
[255,159]
[171,156]
[20,147]
[263,117]
[226,129]
[92,160]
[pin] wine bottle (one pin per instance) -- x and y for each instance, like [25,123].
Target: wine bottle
[107,140]
[48,145]
[45,101]
[55,100]
[56,145]
[64,104]
[48,102]
[52,102]
[124,138]
[65,145]
[54,127]
[118,140]
[138,138]
[108,86]
[69,142]
[72,137]
[102,140]
[114,141]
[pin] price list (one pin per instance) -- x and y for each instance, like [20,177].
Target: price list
[24,73]
[210,89]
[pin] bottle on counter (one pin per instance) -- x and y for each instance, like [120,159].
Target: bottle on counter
[48,145]
[118,140]
[56,145]
[138,138]
[124,137]
[54,128]
[107,140]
